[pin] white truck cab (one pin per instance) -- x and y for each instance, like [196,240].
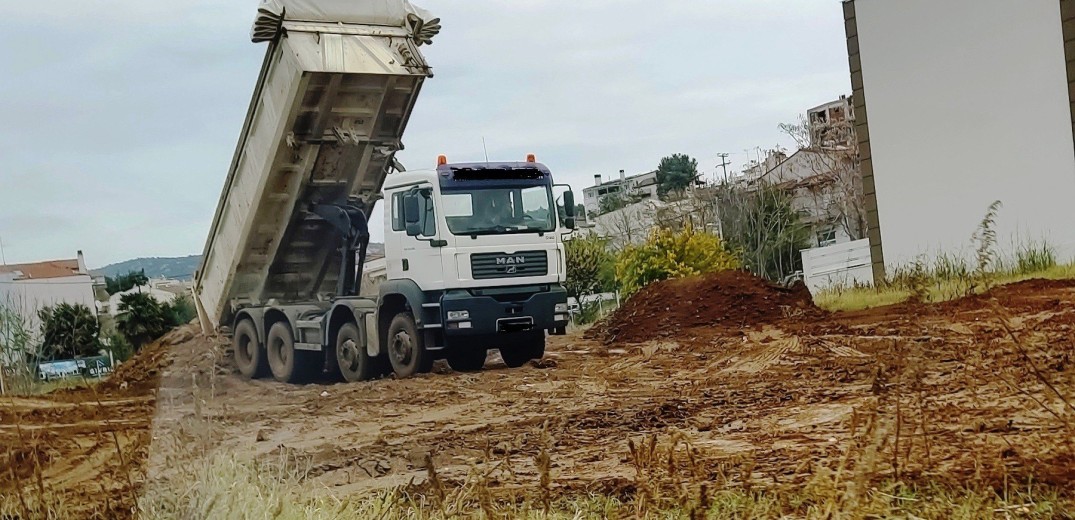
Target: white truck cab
[481,245]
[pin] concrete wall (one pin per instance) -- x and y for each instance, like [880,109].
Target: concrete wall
[960,103]
[837,266]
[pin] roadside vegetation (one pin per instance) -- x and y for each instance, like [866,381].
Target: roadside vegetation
[948,276]
[226,487]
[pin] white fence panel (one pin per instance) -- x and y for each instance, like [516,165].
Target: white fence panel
[839,265]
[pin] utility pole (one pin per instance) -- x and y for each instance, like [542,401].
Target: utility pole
[3,257]
[724,164]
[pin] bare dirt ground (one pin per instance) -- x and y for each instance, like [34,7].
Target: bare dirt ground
[977,390]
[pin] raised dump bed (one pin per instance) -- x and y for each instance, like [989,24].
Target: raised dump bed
[336,89]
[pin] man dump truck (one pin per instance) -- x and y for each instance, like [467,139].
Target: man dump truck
[474,251]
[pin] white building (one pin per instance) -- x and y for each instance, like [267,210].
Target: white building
[27,288]
[641,186]
[959,104]
[162,290]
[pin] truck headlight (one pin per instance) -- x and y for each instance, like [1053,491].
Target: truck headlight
[560,307]
[458,315]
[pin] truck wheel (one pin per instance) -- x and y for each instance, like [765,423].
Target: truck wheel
[406,348]
[249,355]
[351,357]
[528,346]
[287,364]
[466,359]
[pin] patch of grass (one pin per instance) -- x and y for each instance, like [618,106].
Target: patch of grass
[227,487]
[937,288]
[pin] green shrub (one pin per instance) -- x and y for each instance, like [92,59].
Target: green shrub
[180,310]
[122,349]
[672,254]
[587,258]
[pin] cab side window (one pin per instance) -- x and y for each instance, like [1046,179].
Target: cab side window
[397,213]
[428,219]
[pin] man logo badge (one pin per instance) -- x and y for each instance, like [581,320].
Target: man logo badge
[511,263]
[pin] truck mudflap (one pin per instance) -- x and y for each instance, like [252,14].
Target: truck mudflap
[491,312]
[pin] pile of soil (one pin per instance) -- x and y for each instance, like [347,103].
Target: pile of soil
[728,300]
[141,373]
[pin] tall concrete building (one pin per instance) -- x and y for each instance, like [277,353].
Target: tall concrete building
[957,104]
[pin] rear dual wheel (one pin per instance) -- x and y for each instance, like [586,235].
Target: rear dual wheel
[288,364]
[248,353]
[352,360]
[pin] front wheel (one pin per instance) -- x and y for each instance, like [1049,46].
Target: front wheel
[528,346]
[466,359]
[406,348]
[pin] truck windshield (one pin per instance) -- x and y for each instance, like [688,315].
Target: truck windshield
[486,211]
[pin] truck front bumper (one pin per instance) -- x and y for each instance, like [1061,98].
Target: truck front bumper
[504,311]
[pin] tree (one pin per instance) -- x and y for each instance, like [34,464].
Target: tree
[69,331]
[835,189]
[142,319]
[125,282]
[610,203]
[675,174]
[762,225]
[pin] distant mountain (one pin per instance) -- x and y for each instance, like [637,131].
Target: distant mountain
[179,268]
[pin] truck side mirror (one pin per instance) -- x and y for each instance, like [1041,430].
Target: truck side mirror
[569,209]
[412,214]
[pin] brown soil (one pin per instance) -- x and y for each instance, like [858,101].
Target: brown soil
[82,452]
[726,301]
[756,396]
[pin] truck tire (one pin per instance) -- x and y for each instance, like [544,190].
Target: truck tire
[406,347]
[351,358]
[249,354]
[530,345]
[287,364]
[466,359]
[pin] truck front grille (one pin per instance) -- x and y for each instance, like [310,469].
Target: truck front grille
[503,265]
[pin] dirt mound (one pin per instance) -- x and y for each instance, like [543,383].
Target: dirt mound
[141,373]
[729,300]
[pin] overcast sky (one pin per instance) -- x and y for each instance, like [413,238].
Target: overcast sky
[119,117]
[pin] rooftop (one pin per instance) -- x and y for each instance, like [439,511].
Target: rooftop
[42,270]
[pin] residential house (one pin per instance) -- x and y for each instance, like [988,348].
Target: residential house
[638,187]
[26,288]
[823,175]
[161,289]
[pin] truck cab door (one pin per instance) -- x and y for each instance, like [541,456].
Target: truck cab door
[419,240]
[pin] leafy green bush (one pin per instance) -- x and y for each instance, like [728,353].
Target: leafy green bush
[587,259]
[672,254]
[180,310]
